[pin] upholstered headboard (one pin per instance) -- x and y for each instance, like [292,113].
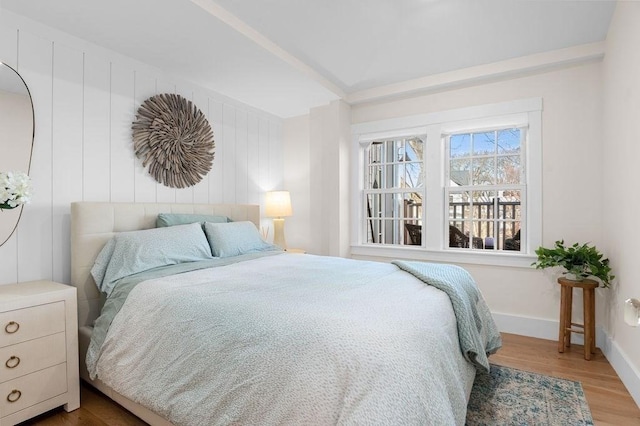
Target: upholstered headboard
[93,224]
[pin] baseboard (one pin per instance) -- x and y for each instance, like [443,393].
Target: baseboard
[629,375]
[540,328]
[548,329]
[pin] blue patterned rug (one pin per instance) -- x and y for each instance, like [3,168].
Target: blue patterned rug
[507,396]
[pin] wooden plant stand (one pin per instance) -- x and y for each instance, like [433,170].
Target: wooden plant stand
[588,328]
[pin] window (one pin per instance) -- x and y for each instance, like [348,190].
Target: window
[461,185]
[485,189]
[394,190]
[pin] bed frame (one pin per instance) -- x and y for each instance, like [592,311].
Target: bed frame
[92,225]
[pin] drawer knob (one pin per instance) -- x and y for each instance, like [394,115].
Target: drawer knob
[14,395]
[12,327]
[12,362]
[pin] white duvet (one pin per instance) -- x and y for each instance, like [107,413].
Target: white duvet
[290,339]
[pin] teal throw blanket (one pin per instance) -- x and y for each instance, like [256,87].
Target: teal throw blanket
[477,331]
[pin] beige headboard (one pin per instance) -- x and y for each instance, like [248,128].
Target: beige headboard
[93,224]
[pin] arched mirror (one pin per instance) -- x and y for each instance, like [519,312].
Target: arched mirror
[16,137]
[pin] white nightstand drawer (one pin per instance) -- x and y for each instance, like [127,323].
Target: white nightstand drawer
[32,355]
[38,350]
[30,323]
[33,388]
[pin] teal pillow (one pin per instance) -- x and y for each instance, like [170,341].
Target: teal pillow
[234,239]
[128,253]
[172,219]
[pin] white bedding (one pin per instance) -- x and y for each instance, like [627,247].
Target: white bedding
[289,339]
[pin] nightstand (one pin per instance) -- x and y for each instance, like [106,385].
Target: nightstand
[295,250]
[38,350]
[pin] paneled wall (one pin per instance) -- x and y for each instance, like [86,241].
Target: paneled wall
[85,98]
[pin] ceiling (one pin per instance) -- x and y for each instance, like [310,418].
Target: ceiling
[286,56]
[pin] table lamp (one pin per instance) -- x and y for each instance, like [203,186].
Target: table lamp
[278,206]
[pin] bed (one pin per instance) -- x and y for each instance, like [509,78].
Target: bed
[277,338]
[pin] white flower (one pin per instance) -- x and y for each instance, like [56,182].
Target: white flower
[15,189]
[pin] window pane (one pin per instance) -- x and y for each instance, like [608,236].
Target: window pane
[509,236]
[509,169]
[484,171]
[414,149]
[375,177]
[484,143]
[509,141]
[374,205]
[387,205]
[374,231]
[414,177]
[389,177]
[459,172]
[390,151]
[483,204]
[485,231]
[460,145]
[412,206]
[387,217]
[394,176]
[482,215]
[376,152]
[459,235]
[509,205]
[413,233]
[391,234]
[399,150]
[459,205]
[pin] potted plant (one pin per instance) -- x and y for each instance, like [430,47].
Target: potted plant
[579,261]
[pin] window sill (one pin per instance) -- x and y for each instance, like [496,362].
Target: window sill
[477,257]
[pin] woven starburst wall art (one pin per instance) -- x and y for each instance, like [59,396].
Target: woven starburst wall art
[174,140]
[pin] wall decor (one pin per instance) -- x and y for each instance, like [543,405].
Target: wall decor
[174,140]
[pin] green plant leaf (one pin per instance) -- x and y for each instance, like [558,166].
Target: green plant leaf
[581,260]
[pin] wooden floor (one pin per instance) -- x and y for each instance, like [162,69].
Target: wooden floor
[608,399]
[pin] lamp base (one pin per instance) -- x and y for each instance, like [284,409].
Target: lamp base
[278,233]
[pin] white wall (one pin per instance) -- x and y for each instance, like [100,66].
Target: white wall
[621,203]
[85,99]
[317,174]
[329,184]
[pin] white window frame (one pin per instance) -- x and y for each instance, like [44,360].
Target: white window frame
[436,126]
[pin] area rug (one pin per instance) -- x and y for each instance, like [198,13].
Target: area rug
[507,396]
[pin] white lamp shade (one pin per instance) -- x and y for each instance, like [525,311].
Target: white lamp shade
[278,204]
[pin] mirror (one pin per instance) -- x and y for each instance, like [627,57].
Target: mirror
[16,137]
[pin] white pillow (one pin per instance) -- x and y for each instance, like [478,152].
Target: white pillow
[128,253]
[235,238]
